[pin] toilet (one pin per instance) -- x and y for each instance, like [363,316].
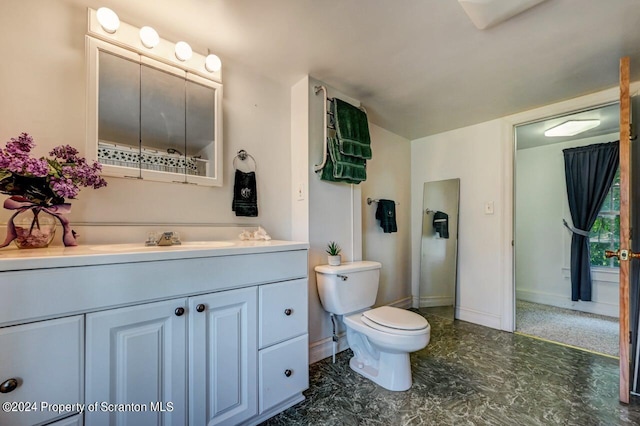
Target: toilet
[380,338]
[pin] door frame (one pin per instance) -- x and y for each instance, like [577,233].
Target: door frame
[508,153]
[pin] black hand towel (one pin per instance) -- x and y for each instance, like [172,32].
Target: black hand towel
[386,214]
[441,224]
[245,194]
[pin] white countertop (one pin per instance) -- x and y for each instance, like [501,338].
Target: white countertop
[12,258]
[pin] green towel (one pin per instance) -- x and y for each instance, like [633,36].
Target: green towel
[342,168]
[352,129]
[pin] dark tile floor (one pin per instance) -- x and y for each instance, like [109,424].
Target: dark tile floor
[471,375]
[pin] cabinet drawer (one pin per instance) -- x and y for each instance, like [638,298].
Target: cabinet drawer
[46,360]
[284,371]
[283,311]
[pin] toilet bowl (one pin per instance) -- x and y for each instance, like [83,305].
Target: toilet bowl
[380,338]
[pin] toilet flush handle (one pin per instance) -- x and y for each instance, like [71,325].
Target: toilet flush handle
[343,277]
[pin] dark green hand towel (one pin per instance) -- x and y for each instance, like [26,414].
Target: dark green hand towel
[352,129]
[245,194]
[386,214]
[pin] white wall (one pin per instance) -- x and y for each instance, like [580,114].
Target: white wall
[472,154]
[389,177]
[542,243]
[43,86]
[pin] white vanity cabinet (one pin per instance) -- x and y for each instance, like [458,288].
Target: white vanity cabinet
[182,337]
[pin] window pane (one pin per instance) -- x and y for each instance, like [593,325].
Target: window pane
[605,233]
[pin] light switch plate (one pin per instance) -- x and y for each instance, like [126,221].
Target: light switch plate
[488,207]
[300,192]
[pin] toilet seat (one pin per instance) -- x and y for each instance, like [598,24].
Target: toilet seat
[395,321]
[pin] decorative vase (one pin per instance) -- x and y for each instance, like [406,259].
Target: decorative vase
[335,260]
[35,228]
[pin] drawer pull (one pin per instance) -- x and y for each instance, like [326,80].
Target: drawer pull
[8,385]
[288,373]
[200,307]
[179,311]
[288,311]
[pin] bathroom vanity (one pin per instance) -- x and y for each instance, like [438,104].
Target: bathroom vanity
[203,333]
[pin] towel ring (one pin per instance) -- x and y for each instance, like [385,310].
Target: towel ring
[243,155]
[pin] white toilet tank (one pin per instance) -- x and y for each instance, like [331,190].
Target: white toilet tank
[349,287]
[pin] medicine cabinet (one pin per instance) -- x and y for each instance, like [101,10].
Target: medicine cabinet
[149,118]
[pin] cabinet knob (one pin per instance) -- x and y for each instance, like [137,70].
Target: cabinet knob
[179,311]
[288,311]
[8,385]
[200,307]
[288,373]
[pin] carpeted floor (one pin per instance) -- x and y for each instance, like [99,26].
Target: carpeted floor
[597,333]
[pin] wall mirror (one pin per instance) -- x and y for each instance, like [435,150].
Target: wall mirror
[439,248]
[151,119]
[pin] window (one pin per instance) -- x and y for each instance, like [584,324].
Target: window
[605,233]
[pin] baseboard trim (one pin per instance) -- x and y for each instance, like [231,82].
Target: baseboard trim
[324,348]
[599,308]
[404,303]
[430,302]
[480,318]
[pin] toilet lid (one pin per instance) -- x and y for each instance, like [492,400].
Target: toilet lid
[400,319]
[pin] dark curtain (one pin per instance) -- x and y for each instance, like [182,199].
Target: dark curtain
[589,172]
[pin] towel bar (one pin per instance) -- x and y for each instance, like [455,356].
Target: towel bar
[325,125]
[319,167]
[370,200]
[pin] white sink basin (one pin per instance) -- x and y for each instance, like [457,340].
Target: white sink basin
[189,245]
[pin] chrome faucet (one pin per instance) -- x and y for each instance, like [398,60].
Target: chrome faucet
[166,239]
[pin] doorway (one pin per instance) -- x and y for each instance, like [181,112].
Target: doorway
[542,243]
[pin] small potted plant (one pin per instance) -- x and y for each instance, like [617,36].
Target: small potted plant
[333,249]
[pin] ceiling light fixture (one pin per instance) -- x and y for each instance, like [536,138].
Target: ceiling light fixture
[149,37]
[571,128]
[108,19]
[487,13]
[183,51]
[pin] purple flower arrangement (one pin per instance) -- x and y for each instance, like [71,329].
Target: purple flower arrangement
[45,181]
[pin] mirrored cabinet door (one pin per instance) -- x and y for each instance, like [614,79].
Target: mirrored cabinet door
[152,120]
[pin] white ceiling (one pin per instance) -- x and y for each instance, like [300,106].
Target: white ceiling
[420,67]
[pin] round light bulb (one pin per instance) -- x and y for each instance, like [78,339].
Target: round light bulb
[149,37]
[212,63]
[108,19]
[183,51]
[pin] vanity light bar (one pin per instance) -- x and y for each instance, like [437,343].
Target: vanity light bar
[105,24]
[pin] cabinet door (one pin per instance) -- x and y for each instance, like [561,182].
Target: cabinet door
[136,365]
[223,357]
[41,364]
